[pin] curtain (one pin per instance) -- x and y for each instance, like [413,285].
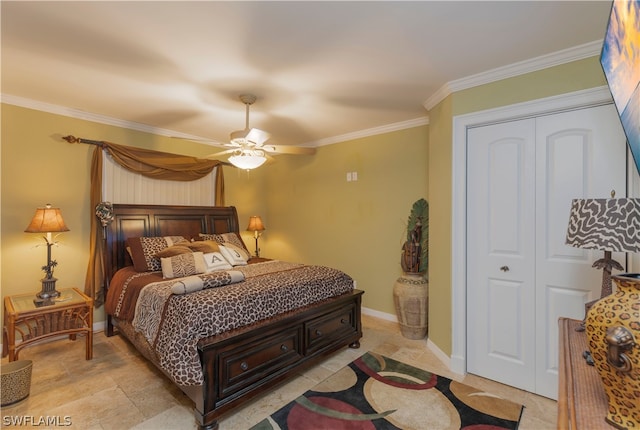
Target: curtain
[152,164]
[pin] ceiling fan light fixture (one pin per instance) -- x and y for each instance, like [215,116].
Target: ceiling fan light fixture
[247,160]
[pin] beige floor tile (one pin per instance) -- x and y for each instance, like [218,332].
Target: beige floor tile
[119,389]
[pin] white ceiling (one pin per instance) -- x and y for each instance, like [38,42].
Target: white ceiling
[322,71]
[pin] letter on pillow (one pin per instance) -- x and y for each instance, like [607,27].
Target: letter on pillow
[216,261]
[233,256]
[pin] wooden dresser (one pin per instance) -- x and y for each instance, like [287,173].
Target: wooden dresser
[582,403]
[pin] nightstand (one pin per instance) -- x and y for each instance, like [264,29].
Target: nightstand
[71,313]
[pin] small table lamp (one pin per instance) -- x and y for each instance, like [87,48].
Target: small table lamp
[47,220]
[257,227]
[610,225]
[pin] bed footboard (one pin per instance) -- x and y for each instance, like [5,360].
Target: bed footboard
[243,363]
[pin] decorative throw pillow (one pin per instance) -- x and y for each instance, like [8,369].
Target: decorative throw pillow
[216,261]
[204,246]
[174,250]
[144,250]
[183,265]
[234,255]
[223,238]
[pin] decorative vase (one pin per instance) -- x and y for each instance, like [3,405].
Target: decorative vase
[613,332]
[411,298]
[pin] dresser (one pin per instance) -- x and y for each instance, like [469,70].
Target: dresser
[582,403]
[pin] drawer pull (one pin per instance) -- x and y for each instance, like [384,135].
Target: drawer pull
[284,347]
[318,333]
[244,365]
[344,321]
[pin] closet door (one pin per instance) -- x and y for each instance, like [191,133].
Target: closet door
[579,154]
[521,276]
[501,253]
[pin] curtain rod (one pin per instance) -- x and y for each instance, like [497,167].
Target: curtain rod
[73,139]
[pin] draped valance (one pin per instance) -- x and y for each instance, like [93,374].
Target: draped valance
[150,163]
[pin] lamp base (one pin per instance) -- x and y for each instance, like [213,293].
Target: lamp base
[48,293]
[257,248]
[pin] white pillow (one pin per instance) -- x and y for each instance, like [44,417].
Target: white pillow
[187,285]
[216,261]
[234,255]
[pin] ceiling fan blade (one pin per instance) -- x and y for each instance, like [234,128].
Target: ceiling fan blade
[257,136]
[202,140]
[219,154]
[286,149]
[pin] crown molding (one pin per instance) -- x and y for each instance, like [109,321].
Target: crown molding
[527,66]
[370,132]
[87,116]
[102,119]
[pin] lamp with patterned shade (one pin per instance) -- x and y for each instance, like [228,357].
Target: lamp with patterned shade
[47,220]
[609,225]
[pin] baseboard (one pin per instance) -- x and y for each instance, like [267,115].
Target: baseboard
[446,360]
[99,326]
[378,314]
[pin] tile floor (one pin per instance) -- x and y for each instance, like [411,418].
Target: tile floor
[119,389]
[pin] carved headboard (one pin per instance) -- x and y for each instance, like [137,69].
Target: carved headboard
[157,220]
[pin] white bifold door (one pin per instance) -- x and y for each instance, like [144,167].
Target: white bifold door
[521,277]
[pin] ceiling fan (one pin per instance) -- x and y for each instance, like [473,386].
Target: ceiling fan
[247,147]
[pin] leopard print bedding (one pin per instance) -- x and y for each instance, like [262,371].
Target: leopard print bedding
[270,288]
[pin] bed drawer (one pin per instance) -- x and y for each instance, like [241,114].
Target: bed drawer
[324,330]
[251,362]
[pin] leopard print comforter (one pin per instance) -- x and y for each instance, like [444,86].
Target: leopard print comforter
[270,288]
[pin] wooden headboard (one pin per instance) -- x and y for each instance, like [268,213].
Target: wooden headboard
[157,220]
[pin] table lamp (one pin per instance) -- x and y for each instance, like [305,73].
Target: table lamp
[47,220]
[257,227]
[609,225]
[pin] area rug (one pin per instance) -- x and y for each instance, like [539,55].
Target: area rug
[377,392]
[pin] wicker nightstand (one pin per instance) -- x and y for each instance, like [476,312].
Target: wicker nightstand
[71,314]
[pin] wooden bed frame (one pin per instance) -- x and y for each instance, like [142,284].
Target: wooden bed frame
[240,364]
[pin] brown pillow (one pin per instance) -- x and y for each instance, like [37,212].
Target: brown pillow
[223,238]
[144,250]
[204,246]
[173,251]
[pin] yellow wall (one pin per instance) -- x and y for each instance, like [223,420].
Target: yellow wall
[566,78]
[440,224]
[38,167]
[311,213]
[316,216]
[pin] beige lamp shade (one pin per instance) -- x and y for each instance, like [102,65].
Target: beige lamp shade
[255,224]
[47,220]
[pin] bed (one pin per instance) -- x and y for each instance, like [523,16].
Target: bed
[221,363]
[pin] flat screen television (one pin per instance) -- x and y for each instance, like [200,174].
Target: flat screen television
[620,60]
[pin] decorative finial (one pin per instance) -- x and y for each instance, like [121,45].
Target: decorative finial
[71,139]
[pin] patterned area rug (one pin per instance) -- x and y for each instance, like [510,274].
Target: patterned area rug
[376,392]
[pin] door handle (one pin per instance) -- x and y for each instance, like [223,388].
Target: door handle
[505,268]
